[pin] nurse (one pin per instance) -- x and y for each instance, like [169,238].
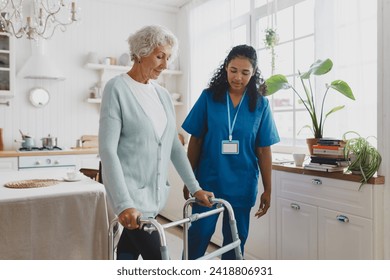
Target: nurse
[232,129]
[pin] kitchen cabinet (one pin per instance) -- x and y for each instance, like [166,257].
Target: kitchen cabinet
[8,163]
[88,161]
[324,218]
[7,66]
[106,72]
[80,158]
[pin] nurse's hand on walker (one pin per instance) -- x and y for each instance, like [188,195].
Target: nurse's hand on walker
[265,203]
[202,196]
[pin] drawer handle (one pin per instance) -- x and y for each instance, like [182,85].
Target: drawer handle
[295,206]
[316,182]
[342,218]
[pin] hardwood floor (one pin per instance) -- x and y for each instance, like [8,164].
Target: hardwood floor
[174,238]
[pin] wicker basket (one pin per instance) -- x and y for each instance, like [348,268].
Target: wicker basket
[33,183]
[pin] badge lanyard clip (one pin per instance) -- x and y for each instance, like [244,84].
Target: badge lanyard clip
[231,147]
[231,125]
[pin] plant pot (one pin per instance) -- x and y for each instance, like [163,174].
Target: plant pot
[310,142]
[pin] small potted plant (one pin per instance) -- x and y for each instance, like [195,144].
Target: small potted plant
[270,41]
[364,158]
[308,97]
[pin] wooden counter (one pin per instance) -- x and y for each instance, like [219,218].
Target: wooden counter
[80,151]
[378,180]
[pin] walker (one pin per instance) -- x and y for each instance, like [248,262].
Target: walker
[151,224]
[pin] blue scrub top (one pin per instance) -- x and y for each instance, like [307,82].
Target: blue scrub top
[232,177]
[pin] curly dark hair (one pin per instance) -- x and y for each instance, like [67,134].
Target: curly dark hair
[256,87]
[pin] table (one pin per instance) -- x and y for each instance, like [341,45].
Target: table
[66,221]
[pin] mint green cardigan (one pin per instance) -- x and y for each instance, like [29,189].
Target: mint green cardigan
[134,160]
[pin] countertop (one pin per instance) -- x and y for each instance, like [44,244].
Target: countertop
[72,151]
[290,167]
[284,165]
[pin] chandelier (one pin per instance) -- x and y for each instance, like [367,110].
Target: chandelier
[36,19]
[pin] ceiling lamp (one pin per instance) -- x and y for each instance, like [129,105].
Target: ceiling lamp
[36,19]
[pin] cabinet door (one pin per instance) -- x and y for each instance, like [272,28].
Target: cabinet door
[88,161]
[260,244]
[8,163]
[296,230]
[344,236]
[7,68]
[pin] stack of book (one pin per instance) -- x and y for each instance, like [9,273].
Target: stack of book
[328,156]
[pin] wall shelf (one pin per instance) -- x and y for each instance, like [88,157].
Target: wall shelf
[108,71]
[120,68]
[94,100]
[99,100]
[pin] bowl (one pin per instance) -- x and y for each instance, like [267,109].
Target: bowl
[175,96]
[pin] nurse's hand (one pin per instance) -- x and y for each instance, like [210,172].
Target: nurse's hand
[204,198]
[265,203]
[129,218]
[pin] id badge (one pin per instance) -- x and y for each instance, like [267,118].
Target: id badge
[230,147]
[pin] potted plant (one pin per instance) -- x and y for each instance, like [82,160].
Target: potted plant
[364,158]
[308,98]
[271,40]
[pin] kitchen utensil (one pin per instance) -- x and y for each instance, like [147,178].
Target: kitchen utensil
[124,59]
[299,159]
[24,136]
[49,142]
[21,133]
[27,143]
[175,96]
[79,143]
[90,141]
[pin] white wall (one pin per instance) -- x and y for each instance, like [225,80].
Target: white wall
[104,29]
[383,110]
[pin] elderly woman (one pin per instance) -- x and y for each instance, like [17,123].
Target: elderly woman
[137,140]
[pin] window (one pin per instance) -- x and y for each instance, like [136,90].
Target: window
[308,30]
[294,52]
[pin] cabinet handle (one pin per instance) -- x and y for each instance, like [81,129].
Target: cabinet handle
[342,218]
[316,181]
[295,206]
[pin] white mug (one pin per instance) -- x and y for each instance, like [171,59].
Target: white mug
[73,174]
[299,159]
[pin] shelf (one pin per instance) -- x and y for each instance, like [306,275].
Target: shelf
[99,100]
[120,68]
[107,71]
[178,103]
[97,66]
[94,100]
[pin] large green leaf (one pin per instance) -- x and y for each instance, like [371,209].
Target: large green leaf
[320,67]
[343,88]
[276,83]
[335,109]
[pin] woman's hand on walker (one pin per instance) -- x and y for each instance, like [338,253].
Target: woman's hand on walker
[129,218]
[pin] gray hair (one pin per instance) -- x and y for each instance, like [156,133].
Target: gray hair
[144,41]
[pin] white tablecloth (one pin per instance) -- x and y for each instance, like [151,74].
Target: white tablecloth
[64,221]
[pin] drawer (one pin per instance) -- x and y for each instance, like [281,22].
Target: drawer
[332,194]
